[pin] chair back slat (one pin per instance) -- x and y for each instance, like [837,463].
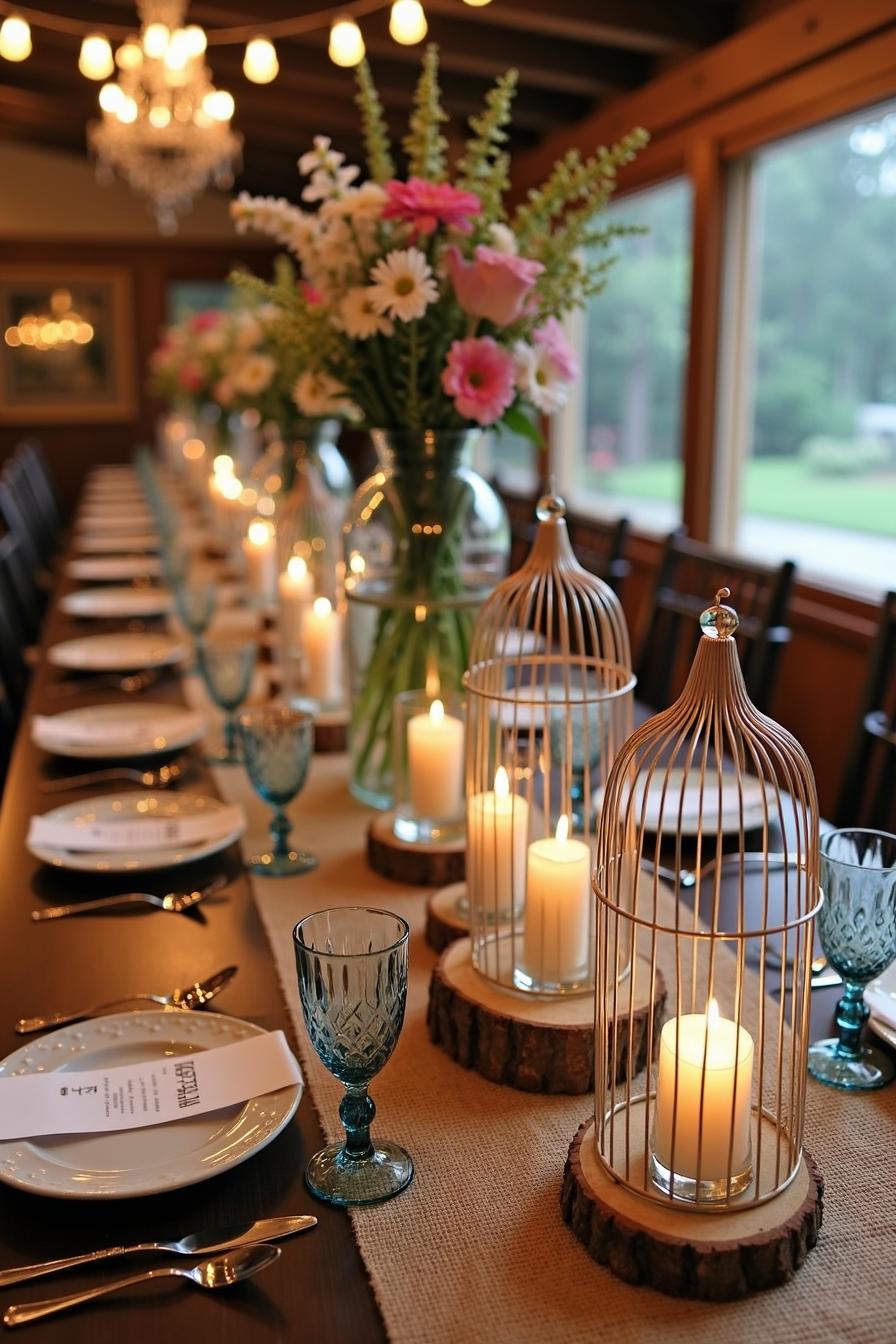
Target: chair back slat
[868,788]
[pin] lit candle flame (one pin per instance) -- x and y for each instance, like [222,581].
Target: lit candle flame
[321,606]
[433,684]
[712,1014]
[223,465]
[562,832]
[260,532]
[502,783]
[357,563]
[194,449]
[296,567]
[229,487]
[436,711]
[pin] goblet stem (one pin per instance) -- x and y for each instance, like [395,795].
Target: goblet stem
[852,1014]
[280,829]
[230,737]
[356,1111]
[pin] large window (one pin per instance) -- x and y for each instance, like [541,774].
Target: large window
[813,353]
[620,440]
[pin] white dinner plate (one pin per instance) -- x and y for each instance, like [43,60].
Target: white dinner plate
[115,519]
[122,543]
[126,652]
[692,816]
[112,807]
[119,731]
[147,1161]
[106,568]
[880,996]
[125,601]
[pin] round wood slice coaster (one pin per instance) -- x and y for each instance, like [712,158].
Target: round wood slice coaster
[713,1256]
[446,919]
[527,1042]
[431,865]
[330,731]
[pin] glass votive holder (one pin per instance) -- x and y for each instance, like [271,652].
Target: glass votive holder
[428,750]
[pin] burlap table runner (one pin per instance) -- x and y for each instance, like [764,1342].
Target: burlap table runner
[475,1252]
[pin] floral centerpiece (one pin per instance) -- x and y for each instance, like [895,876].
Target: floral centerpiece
[214,356]
[426,310]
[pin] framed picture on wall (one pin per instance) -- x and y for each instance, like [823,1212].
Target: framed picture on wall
[67,347]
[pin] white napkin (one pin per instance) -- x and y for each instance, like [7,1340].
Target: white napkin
[59,730]
[880,996]
[142,833]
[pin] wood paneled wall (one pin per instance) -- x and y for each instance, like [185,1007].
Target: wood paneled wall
[152,267]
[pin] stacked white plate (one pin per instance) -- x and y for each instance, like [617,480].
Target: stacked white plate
[126,601]
[128,652]
[661,813]
[117,731]
[118,543]
[214,827]
[880,997]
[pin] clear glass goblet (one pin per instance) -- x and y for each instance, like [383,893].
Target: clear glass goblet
[277,742]
[352,966]
[227,666]
[857,927]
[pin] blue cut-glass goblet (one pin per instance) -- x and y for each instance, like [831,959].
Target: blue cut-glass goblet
[195,601]
[277,742]
[857,927]
[353,975]
[227,667]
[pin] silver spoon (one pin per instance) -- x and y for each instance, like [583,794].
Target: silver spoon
[175,902]
[161,778]
[225,1239]
[221,1272]
[132,683]
[193,996]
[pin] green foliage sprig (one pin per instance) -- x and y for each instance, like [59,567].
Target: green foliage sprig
[424,144]
[377,142]
[485,165]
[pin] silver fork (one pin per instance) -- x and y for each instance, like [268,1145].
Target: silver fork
[161,778]
[192,996]
[132,683]
[174,902]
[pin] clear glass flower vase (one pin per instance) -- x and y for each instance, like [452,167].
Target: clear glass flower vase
[426,541]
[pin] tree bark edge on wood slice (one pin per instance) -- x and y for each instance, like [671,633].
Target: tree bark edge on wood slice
[694,1266]
[443,925]
[330,738]
[416,865]
[531,1056]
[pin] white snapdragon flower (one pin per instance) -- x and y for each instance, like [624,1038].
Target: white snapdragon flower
[403,285]
[359,318]
[325,184]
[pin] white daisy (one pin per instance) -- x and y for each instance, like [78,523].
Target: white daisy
[253,375]
[403,285]
[537,378]
[317,394]
[359,317]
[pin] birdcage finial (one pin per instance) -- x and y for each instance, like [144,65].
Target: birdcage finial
[550,507]
[719,621]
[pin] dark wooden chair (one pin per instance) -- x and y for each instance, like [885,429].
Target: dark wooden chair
[13,668]
[868,789]
[8,725]
[39,526]
[40,478]
[16,518]
[599,546]
[688,577]
[17,585]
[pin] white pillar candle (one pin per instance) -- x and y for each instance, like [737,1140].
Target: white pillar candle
[260,551]
[296,588]
[497,834]
[714,1059]
[557,928]
[322,639]
[435,763]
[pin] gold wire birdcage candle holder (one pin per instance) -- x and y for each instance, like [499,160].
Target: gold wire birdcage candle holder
[717,1122]
[549,704]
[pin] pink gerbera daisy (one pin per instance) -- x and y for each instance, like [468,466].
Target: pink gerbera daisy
[425,205]
[479,374]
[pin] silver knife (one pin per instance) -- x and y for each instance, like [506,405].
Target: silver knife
[225,1239]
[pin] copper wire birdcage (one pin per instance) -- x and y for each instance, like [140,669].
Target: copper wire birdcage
[721,795]
[549,704]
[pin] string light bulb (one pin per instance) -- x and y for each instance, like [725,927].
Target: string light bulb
[477,4]
[260,62]
[15,38]
[346,43]
[407,22]
[96,60]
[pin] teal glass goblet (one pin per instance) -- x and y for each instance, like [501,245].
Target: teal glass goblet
[195,601]
[226,666]
[352,966]
[277,742]
[857,927]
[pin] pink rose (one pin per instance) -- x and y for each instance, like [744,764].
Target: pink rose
[425,205]
[550,337]
[494,285]
[190,376]
[479,374]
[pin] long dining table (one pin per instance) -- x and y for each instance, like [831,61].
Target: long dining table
[320,1287]
[476,1251]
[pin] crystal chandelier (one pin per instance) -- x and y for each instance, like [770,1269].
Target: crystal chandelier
[165,128]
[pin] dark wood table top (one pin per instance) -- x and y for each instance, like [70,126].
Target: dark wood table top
[318,1290]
